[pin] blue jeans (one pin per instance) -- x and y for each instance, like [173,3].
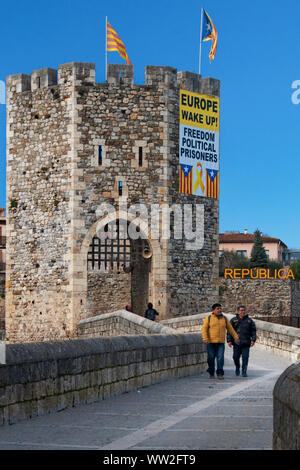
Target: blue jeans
[238,351]
[215,351]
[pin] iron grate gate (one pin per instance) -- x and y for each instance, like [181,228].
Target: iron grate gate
[113,250]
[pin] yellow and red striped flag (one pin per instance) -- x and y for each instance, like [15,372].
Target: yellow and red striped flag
[212,183]
[185,179]
[114,43]
[210,33]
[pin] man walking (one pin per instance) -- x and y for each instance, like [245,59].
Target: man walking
[246,329]
[213,334]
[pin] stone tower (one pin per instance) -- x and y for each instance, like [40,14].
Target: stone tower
[72,145]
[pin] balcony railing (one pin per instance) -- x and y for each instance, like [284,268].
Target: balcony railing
[2,241]
[2,267]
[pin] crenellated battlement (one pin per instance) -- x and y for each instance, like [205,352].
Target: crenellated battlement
[118,74]
[42,78]
[83,73]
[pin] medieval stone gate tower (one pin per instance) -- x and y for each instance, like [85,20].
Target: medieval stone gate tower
[73,144]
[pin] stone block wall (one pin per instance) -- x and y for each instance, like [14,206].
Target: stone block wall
[286,410]
[273,297]
[279,338]
[120,323]
[295,294]
[187,324]
[38,209]
[106,291]
[43,377]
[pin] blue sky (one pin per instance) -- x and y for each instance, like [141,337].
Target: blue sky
[257,60]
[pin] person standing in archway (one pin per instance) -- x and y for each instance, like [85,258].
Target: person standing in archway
[151,313]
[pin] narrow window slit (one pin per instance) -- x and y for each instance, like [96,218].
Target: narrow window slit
[140,156]
[120,186]
[100,158]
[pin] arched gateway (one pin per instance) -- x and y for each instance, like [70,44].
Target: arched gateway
[119,270]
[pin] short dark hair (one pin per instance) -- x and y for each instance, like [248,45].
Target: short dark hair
[150,305]
[240,306]
[215,306]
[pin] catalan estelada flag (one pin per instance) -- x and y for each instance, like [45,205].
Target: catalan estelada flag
[209,33]
[212,183]
[185,179]
[114,43]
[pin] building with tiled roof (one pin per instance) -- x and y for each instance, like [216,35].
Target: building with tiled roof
[242,243]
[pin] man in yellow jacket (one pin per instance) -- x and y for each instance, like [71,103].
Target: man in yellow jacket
[213,334]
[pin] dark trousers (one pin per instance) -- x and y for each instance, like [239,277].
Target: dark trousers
[215,351]
[238,351]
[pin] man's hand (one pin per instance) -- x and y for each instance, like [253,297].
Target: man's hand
[252,343]
[237,341]
[230,344]
[205,342]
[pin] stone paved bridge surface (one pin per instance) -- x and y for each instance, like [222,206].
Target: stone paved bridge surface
[186,414]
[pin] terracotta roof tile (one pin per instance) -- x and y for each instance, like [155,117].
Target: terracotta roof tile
[245,238]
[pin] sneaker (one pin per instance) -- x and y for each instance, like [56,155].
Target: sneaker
[237,372]
[220,377]
[211,376]
[244,374]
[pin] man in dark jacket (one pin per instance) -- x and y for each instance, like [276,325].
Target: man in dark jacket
[246,329]
[151,312]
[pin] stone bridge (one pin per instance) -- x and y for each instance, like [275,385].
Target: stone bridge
[148,389]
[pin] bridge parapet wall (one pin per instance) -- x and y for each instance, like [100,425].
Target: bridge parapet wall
[42,377]
[120,323]
[286,399]
[277,338]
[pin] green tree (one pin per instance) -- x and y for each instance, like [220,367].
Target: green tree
[232,260]
[259,258]
[295,267]
[274,265]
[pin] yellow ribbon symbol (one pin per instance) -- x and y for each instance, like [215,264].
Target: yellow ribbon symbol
[199,178]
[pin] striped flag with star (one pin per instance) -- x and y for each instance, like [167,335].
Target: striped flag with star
[209,34]
[212,183]
[114,43]
[185,179]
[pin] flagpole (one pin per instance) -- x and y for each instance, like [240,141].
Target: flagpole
[106,48]
[200,41]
